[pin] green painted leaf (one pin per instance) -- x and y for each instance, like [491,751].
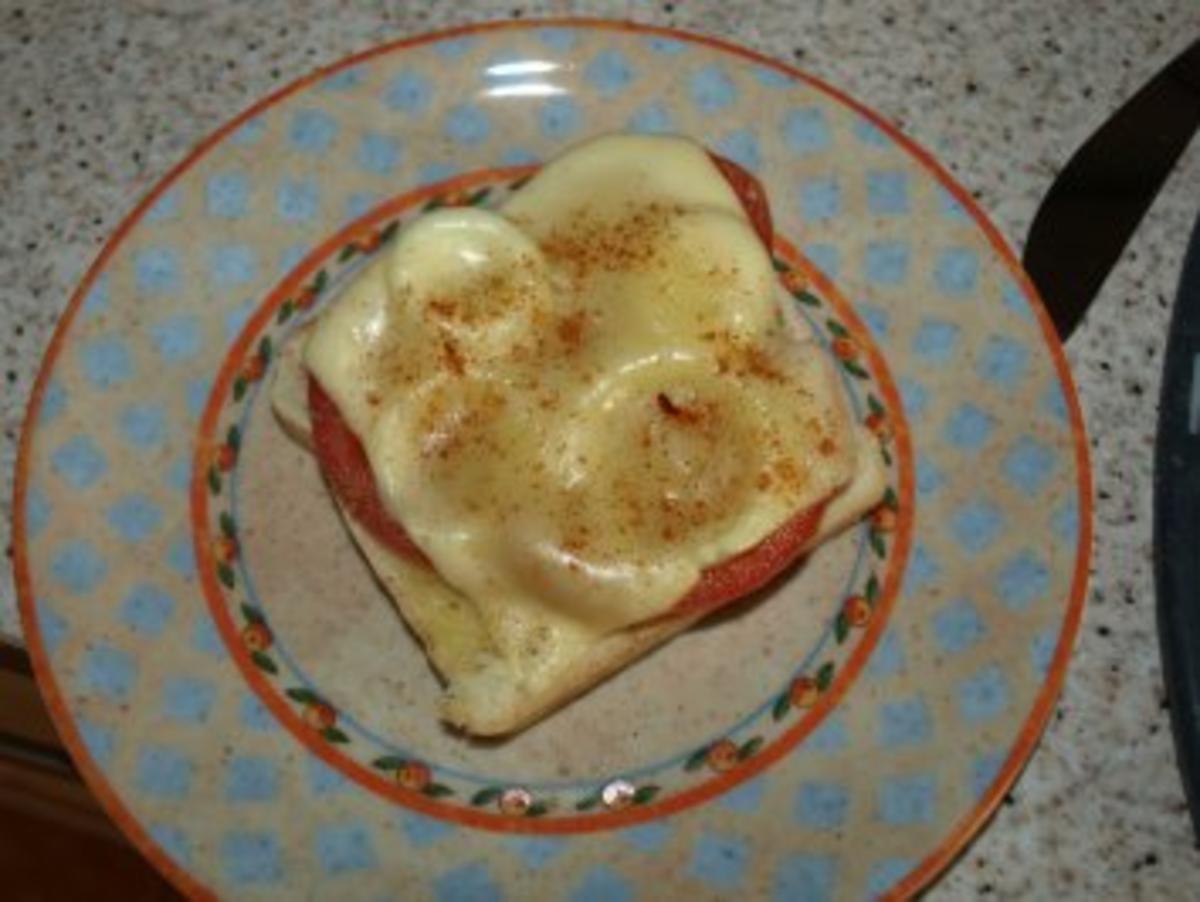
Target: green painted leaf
[487,795]
[891,499]
[520,183]
[252,614]
[389,230]
[437,790]
[825,676]
[302,695]
[264,348]
[587,803]
[808,298]
[749,747]
[697,759]
[836,328]
[841,627]
[233,437]
[333,734]
[644,794]
[225,575]
[887,457]
[537,809]
[855,370]
[872,590]
[286,309]
[783,704]
[239,388]
[433,203]
[214,481]
[479,196]
[875,405]
[389,762]
[318,283]
[780,265]
[262,662]
[875,537]
[228,527]
[347,252]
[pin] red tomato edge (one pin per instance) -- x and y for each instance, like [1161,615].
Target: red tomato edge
[343,462]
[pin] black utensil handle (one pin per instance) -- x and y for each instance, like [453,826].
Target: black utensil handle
[1096,202]
[1177,524]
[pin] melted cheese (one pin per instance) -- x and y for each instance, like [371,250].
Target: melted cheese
[578,402]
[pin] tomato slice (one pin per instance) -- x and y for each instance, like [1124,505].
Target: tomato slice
[753,568]
[344,463]
[750,192]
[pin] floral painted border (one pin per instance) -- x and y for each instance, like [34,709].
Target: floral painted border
[720,756]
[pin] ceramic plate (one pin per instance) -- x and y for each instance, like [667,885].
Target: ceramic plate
[247,704]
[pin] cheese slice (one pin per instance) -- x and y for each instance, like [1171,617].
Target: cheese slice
[576,403]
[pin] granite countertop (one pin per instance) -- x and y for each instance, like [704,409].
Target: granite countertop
[100,100]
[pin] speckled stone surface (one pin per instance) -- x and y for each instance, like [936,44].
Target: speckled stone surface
[100,100]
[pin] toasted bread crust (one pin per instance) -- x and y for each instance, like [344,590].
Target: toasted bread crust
[485,696]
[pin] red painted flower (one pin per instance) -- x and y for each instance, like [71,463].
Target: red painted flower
[257,636]
[319,715]
[254,368]
[224,457]
[305,298]
[617,795]
[413,775]
[370,242]
[457,199]
[878,424]
[722,755]
[794,280]
[844,348]
[515,801]
[883,518]
[857,610]
[225,549]
[803,692]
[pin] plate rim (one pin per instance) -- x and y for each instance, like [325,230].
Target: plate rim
[960,834]
[849,670]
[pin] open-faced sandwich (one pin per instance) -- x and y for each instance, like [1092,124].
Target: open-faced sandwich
[563,431]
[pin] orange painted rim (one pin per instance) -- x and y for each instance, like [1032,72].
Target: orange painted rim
[962,832]
[379,782]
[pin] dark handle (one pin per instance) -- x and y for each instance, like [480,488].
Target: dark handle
[1177,524]
[1095,204]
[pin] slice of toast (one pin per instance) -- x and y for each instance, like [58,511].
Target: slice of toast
[486,695]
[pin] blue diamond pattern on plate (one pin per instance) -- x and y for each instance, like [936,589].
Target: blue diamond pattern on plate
[809,877]
[251,779]
[469,881]
[905,722]
[821,806]
[603,884]
[78,567]
[1022,580]
[958,626]
[983,695]
[907,800]
[344,848]
[719,860]
[188,699]
[164,772]
[108,672]
[79,461]
[147,609]
[539,851]
[251,858]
